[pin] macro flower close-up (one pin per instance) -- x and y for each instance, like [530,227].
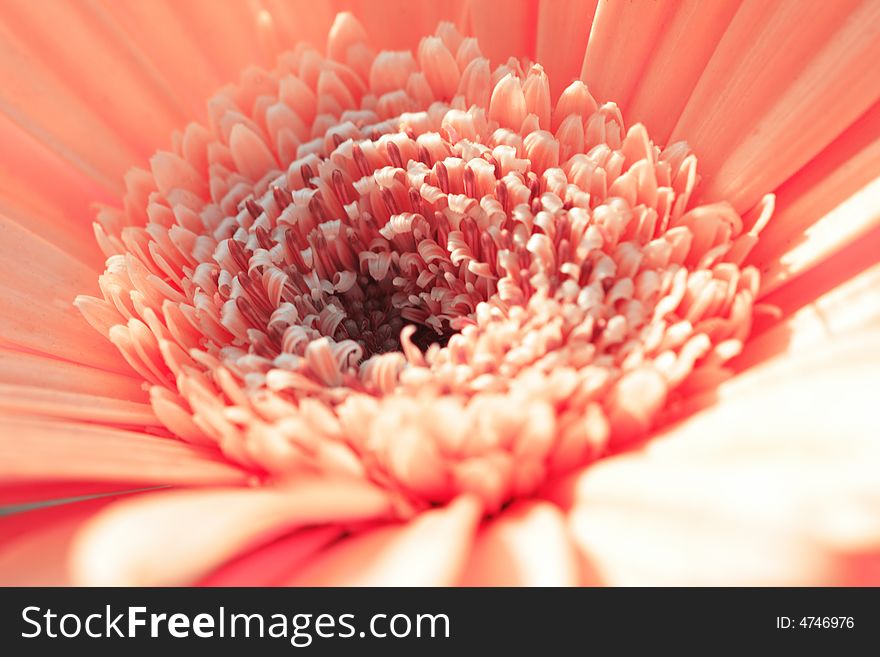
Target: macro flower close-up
[399,292]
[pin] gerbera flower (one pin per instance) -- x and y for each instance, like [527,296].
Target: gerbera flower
[440,306]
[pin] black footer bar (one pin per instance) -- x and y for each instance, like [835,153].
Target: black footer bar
[432,621]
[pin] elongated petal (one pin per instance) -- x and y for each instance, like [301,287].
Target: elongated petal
[847,166]
[613,62]
[36,303]
[429,551]
[786,93]
[35,545]
[527,545]
[684,45]
[857,217]
[34,401]
[270,564]
[33,370]
[47,195]
[568,22]
[38,449]
[791,498]
[814,314]
[504,29]
[399,24]
[198,530]
[34,492]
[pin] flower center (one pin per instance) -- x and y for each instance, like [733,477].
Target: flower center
[421,273]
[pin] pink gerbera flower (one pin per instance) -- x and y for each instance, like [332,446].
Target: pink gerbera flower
[440,306]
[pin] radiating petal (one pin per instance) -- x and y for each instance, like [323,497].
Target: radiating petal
[36,302]
[35,545]
[668,76]
[64,102]
[504,29]
[159,36]
[198,530]
[772,97]
[817,308]
[33,492]
[29,369]
[38,402]
[527,545]
[857,217]
[568,22]
[269,564]
[301,20]
[789,498]
[47,194]
[38,449]
[622,38]
[399,24]
[430,550]
[846,166]
[230,38]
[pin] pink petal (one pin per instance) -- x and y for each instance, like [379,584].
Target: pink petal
[399,24]
[828,303]
[430,550]
[527,545]
[504,29]
[33,370]
[35,545]
[774,484]
[178,537]
[38,449]
[684,46]
[36,303]
[786,93]
[269,564]
[568,22]
[622,39]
